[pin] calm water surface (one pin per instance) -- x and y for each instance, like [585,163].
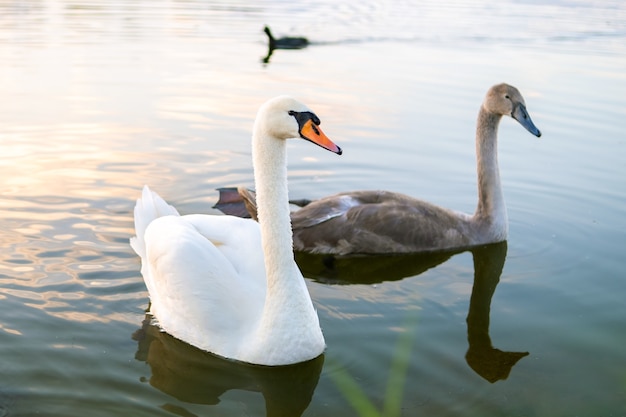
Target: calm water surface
[99,98]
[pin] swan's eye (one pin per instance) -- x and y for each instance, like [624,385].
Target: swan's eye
[507,97]
[305,116]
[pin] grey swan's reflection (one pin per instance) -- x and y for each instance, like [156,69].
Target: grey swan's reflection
[194,376]
[490,363]
[367,269]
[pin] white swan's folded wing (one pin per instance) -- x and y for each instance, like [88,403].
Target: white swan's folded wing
[206,269]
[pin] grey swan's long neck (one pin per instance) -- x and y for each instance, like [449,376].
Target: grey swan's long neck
[490,217]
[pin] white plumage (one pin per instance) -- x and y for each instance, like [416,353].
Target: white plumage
[228,285]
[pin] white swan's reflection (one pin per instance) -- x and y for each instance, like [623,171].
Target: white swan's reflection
[194,376]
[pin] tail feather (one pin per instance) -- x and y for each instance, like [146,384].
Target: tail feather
[241,202]
[249,200]
[149,207]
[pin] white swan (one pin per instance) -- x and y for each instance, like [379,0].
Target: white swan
[388,222]
[228,285]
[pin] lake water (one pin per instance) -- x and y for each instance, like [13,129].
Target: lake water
[100,97]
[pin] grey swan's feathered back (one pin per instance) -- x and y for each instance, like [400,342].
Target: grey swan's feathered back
[370,222]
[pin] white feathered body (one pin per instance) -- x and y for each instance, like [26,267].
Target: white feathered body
[206,278]
[228,285]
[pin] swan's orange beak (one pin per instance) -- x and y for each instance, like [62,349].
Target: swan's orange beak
[312,132]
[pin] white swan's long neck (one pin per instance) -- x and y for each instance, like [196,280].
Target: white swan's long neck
[288,329]
[490,216]
[270,177]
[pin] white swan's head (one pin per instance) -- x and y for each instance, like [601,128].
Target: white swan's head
[284,117]
[506,100]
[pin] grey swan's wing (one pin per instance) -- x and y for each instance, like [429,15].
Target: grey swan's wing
[376,222]
[365,222]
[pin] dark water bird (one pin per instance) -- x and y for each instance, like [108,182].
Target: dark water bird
[287,42]
[379,222]
[227,285]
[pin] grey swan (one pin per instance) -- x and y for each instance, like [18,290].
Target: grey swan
[384,222]
[231,286]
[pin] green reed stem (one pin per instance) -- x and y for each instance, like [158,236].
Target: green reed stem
[354,394]
[399,367]
[394,392]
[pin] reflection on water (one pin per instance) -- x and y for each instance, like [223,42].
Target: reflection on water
[194,376]
[487,361]
[490,363]
[363,269]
